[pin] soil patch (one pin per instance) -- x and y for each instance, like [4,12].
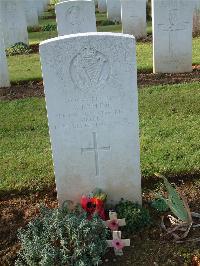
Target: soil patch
[15,212]
[34,48]
[36,89]
[149,247]
[148,79]
[23,90]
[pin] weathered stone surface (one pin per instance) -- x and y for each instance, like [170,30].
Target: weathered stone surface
[31,12]
[40,7]
[114,10]
[172,36]
[134,17]
[91,95]
[14,22]
[75,17]
[102,6]
[4,78]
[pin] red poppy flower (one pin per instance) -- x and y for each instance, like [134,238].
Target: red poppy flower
[92,205]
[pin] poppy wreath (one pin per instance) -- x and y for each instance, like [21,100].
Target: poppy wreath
[94,203]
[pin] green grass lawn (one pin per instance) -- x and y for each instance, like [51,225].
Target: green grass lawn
[37,37]
[50,21]
[169,128]
[25,67]
[101,17]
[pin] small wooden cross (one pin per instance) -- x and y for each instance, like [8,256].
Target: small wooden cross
[117,243]
[114,223]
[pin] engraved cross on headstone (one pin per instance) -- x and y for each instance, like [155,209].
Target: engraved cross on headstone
[95,149]
[172,26]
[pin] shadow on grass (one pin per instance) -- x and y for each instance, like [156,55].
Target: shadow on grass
[148,183]
[178,179]
[42,192]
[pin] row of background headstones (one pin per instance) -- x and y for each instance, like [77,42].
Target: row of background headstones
[172,26]
[15,17]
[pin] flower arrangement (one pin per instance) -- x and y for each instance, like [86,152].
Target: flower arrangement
[94,202]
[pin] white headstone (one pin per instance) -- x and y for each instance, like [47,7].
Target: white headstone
[31,11]
[102,6]
[133,14]
[91,95]
[114,10]
[40,7]
[172,36]
[14,22]
[4,77]
[75,17]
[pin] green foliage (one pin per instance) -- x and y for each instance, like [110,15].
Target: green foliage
[160,205]
[18,48]
[45,27]
[175,202]
[136,216]
[49,27]
[62,237]
[106,23]
[53,2]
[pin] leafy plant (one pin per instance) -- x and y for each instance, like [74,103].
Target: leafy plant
[17,49]
[62,237]
[180,208]
[176,203]
[136,216]
[160,205]
[53,2]
[107,22]
[48,27]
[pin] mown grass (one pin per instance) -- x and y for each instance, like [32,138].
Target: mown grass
[169,135]
[37,37]
[25,156]
[24,67]
[50,21]
[169,122]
